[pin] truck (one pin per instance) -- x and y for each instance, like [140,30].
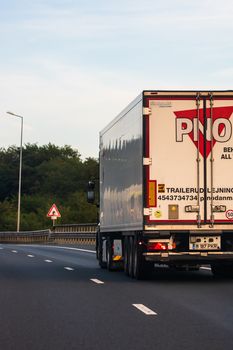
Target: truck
[166,184]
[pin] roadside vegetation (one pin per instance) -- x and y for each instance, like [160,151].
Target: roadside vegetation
[50,174]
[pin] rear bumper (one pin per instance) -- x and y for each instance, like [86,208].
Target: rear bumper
[192,257]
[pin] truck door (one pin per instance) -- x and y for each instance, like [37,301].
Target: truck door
[189,146]
[219,159]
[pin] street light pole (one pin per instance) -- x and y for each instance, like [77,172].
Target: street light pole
[20,168]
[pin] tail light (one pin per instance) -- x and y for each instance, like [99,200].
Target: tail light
[157,246]
[151,246]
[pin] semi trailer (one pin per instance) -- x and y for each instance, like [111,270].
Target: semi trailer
[166,184]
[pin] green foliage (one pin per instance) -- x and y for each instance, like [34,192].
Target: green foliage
[50,174]
[8,212]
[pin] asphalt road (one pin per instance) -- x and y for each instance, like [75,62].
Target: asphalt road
[58,298]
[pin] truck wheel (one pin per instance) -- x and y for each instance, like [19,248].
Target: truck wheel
[102,263]
[131,257]
[141,268]
[97,245]
[109,255]
[136,269]
[126,255]
[222,270]
[97,252]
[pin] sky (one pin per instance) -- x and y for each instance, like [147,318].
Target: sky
[70,66]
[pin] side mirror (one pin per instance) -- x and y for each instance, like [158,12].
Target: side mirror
[91,192]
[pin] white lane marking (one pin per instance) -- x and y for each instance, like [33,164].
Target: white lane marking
[96,281]
[68,268]
[78,249]
[205,268]
[48,261]
[31,256]
[59,247]
[1,247]
[144,309]
[14,251]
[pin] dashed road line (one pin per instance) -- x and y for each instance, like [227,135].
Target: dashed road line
[60,247]
[14,251]
[145,309]
[95,280]
[31,256]
[48,261]
[68,268]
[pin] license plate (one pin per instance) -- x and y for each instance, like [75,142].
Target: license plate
[204,243]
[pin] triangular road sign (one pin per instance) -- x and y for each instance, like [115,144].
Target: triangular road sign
[53,211]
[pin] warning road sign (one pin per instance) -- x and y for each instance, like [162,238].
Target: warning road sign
[53,212]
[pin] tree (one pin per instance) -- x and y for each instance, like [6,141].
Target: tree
[50,174]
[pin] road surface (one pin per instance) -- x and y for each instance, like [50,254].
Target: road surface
[58,298]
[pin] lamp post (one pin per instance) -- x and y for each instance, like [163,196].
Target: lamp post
[20,168]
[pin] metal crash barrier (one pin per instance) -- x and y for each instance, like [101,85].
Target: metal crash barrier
[25,236]
[83,234]
[75,228]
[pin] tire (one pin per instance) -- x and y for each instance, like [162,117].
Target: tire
[102,263]
[109,255]
[136,260]
[131,257]
[141,269]
[222,270]
[97,245]
[126,255]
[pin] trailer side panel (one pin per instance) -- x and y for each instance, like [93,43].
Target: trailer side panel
[121,174]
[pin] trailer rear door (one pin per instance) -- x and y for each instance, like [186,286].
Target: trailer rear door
[189,152]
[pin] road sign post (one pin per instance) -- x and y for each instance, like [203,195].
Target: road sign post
[54,218]
[53,214]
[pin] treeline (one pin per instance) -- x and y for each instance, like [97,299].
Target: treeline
[50,174]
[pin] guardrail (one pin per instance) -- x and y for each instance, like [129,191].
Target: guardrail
[64,238]
[65,234]
[75,228]
[25,236]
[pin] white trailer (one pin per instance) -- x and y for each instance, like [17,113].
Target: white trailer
[166,183]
